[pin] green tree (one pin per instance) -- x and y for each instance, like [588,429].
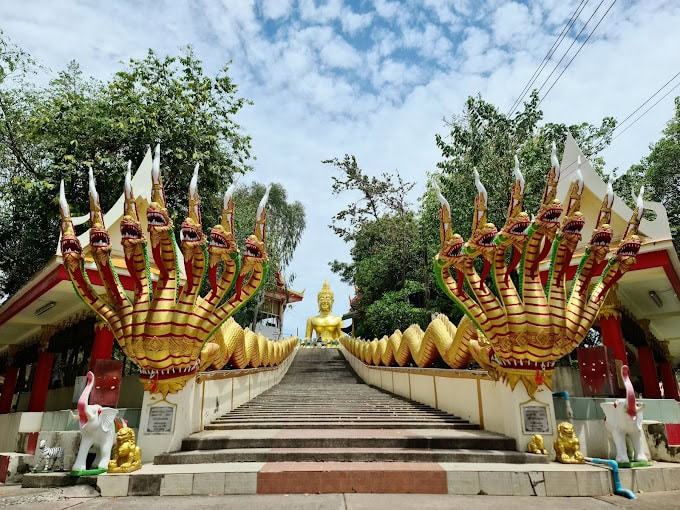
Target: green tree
[285,225]
[387,253]
[55,132]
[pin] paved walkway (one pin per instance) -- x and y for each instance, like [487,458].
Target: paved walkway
[85,497]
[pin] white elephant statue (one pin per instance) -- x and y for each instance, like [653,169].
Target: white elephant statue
[623,417]
[97,428]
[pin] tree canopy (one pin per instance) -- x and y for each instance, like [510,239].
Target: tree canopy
[56,132]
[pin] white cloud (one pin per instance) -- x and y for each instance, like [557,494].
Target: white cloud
[337,53]
[386,9]
[276,9]
[353,22]
[512,23]
[323,13]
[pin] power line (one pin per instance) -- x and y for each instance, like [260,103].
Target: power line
[565,30]
[647,110]
[578,51]
[634,112]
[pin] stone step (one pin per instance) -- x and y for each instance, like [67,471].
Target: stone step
[342,438]
[334,424]
[344,454]
[236,418]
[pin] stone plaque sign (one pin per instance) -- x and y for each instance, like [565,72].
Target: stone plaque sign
[161,419]
[535,419]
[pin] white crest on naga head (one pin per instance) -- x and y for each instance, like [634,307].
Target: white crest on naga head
[438,192]
[63,204]
[228,194]
[579,176]
[263,203]
[193,185]
[610,194]
[128,181]
[555,162]
[94,196]
[156,165]
[640,206]
[518,176]
[481,190]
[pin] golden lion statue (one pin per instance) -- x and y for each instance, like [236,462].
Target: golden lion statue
[127,456]
[567,445]
[537,445]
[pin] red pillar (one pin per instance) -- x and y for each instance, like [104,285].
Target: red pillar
[670,383]
[650,377]
[103,343]
[8,389]
[41,382]
[612,336]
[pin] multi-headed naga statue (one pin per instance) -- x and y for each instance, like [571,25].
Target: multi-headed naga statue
[163,329]
[522,331]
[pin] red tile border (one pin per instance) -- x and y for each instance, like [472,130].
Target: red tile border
[345,477]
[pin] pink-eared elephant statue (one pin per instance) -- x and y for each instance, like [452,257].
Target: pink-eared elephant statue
[623,417]
[97,429]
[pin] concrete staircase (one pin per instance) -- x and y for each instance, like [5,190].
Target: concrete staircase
[320,412]
[322,430]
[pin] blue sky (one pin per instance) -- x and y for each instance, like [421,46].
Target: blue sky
[373,79]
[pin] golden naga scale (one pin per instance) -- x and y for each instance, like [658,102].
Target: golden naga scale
[517,333]
[168,330]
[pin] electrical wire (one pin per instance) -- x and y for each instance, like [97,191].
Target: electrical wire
[565,30]
[618,126]
[578,51]
[647,110]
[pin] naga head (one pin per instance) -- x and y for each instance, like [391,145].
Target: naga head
[603,233]
[157,216]
[71,249]
[451,253]
[573,222]
[100,241]
[514,231]
[222,243]
[626,252]
[451,244]
[130,227]
[193,238]
[481,240]
[548,215]
[255,253]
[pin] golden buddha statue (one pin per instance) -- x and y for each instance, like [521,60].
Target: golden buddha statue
[327,326]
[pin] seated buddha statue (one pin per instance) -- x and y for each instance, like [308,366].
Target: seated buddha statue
[326,326]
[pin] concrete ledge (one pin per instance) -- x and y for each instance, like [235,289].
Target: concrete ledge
[497,479]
